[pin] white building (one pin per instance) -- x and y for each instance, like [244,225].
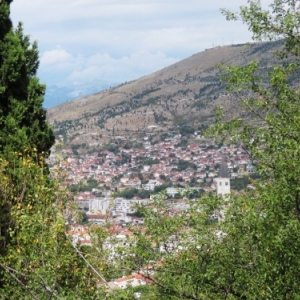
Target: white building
[125,282]
[223,189]
[128,206]
[151,184]
[223,180]
[100,205]
[122,205]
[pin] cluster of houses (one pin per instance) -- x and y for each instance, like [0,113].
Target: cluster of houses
[145,169]
[154,163]
[120,234]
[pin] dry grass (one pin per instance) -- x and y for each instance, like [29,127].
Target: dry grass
[130,107]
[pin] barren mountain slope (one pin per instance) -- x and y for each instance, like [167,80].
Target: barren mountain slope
[183,93]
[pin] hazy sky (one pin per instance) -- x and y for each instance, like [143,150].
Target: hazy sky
[120,40]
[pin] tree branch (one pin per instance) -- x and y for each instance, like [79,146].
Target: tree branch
[10,272]
[88,263]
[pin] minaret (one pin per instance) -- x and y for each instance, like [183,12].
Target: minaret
[223,188]
[223,180]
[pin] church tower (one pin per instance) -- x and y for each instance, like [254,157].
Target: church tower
[223,180]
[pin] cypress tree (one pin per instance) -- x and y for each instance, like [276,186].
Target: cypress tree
[22,116]
[23,127]
[5,21]
[37,259]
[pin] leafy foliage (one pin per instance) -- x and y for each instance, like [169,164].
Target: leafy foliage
[23,129]
[130,193]
[183,251]
[253,252]
[37,259]
[22,117]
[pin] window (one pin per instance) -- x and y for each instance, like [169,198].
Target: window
[220,183]
[226,183]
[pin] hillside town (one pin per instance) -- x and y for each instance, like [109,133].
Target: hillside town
[165,164]
[108,185]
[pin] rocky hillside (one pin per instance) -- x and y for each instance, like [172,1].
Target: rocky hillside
[182,94]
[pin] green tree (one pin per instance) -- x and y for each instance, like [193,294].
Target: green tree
[37,258]
[40,260]
[22,117]
[128,193]
[253,252]
[23,126]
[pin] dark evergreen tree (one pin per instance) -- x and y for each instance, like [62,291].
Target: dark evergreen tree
[4,20]
[23,127]
[37,258]
[22,116]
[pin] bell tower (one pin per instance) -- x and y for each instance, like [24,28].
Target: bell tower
[223,180]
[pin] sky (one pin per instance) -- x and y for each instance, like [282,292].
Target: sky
[121,40]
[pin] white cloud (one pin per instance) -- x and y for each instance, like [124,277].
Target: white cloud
[57,10]
[79,68]
[55,57]
[105,67]
[123,39]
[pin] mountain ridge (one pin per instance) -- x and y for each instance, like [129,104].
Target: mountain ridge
[184,93]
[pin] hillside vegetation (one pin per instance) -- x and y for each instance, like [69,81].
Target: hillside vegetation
[184,93]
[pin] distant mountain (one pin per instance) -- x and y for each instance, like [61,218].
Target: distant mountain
[58,94]
[183,94]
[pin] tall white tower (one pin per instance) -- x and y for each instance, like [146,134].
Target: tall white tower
[223,180]
[223,189]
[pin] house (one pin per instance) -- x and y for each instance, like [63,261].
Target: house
[171,191]
[133,183]
[100,205]
[132,280]
[79,234]
[96,218]
[151,184]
